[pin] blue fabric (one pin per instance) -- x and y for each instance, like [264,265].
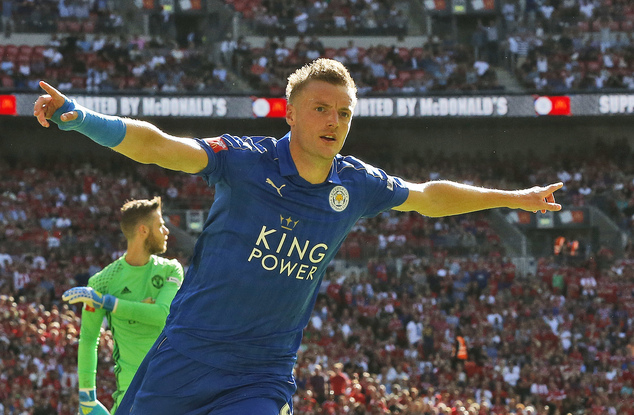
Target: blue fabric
[102,129]
[169,383]
[264,249]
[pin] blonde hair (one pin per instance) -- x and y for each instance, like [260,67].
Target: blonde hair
[326,70]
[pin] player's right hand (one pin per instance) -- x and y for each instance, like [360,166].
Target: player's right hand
[89,405]
[91,298]
[46,105]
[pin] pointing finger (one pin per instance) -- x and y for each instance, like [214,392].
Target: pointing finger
[49,89]
[57,97]
[554,187]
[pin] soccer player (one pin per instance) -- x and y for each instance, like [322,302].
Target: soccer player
[282,209]
[134,293]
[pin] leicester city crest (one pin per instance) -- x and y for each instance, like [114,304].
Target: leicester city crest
[339,198]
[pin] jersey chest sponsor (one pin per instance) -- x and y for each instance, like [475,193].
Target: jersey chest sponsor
[279,251]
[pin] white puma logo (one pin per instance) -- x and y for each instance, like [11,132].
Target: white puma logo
[279,189]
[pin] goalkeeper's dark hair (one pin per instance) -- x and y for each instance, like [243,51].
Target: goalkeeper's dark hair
[326,70]
[135,212]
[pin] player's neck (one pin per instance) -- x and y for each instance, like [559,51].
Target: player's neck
[136,256]
[312,170]
[313,175]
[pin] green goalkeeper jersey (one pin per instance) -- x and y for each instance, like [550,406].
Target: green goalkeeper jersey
[145,294]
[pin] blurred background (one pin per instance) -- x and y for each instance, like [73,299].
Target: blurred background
[496,93]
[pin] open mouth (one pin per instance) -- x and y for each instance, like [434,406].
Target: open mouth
[328,138]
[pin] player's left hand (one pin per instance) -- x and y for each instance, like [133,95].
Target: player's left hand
[91,298]
[539,198]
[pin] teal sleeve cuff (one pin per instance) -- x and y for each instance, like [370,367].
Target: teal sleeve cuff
[87,395]
[103,129]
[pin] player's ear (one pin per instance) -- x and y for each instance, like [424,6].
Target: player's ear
[142,230]
[290,114]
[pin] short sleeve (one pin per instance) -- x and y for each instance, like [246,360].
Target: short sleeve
[228,155]
[216,149]
[383,191]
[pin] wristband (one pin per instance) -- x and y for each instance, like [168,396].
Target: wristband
[102,129]
[110,303]
[87,395]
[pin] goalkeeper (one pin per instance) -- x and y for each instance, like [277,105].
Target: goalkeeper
[134,294]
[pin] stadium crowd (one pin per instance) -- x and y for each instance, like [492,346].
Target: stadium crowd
[384,336]
[550,46]
[417,316]
[569,46]
[372,17]
[50,16]
[103,63]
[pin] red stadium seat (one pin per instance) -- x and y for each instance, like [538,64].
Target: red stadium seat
[89,57]
[418,74]
[584,26]
[257,70]
[7,81]
[38,50]
[51,73]
[593,66]
[74,27]
[404,75]
[25,50]
[240,5]
[132,82]
[79,82]
[24,59]
[330,53]
[404,54]
[11,51]
[362,53]
[382,84]
[88,26]
[397,83]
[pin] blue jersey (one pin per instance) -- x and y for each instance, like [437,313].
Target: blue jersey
[264,249]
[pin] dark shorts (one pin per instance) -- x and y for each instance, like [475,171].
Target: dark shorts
[170,383]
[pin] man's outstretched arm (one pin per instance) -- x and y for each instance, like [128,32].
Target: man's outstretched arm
[138,140]
[445,198]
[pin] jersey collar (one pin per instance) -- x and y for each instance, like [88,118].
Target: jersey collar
[287,165]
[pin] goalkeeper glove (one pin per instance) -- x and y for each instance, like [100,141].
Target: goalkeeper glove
[89,405]
[91,298]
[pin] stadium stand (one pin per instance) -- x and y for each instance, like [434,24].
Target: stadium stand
[382,336]
[558,47]
[388,310]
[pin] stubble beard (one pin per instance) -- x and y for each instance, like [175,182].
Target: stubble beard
[155,245]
